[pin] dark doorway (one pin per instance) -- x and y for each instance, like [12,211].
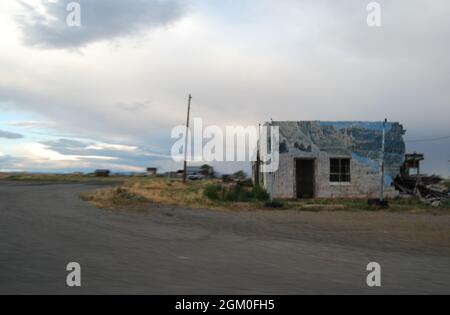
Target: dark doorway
[305,178]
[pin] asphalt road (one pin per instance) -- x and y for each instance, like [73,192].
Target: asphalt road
[179,251]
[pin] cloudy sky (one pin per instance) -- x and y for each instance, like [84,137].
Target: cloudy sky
[108,93]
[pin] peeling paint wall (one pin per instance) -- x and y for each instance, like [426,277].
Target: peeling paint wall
[359,141]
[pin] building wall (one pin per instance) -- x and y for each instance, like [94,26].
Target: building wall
[360,142]
[365,181]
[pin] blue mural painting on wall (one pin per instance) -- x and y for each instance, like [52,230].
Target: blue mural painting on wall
[358,139]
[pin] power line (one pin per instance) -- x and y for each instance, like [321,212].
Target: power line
[428,140]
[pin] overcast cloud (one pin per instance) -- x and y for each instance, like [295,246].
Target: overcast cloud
[45,24]
[123,78]
[10,135]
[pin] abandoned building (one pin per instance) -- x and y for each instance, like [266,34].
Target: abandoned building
[410,181]
[334,160]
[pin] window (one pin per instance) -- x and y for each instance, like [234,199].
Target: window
[340,171]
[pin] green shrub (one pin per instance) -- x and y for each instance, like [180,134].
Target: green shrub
[240,175]
[237,194]
[260,193]
[211,191]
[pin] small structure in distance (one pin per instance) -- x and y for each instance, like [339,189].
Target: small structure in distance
[102,173]
[152,171]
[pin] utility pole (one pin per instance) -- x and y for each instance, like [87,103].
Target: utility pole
[186,140]
[258,159]
[383,141]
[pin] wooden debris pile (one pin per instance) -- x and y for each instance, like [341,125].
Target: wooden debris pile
[429,189]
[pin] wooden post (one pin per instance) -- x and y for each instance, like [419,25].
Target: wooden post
[186,140]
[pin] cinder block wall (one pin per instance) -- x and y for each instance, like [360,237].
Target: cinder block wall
[365,182]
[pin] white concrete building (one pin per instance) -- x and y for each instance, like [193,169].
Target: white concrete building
[334,160]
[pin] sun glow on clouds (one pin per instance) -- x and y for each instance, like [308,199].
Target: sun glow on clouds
[106,146]
[41,152]
[44,148]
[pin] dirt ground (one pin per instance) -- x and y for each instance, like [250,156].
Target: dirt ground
[173,250]
[382,229]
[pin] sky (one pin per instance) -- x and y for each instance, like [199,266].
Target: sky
[108,93]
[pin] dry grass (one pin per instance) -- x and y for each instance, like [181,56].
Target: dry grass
[141,192]
[163,192]
[171,192]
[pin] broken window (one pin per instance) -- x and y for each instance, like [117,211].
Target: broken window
[340,171]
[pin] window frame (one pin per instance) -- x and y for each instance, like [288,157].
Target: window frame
[340,173]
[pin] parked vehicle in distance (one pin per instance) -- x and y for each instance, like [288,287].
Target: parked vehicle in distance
[196,177]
